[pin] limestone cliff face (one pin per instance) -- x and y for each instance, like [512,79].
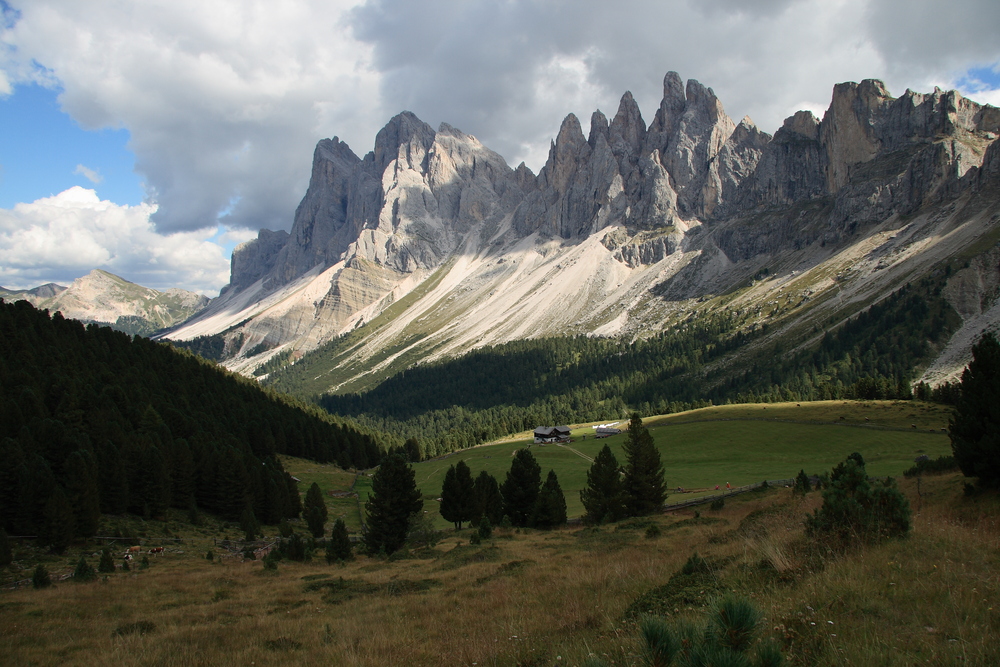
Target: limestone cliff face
[634,202]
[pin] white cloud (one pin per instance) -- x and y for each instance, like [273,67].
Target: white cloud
[91,175]
[60,238]
[225,100]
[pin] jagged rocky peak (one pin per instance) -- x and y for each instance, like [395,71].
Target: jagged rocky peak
[404,136]
[628,130]
[849,128]
[598,128]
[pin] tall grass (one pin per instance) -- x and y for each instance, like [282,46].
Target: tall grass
[532,597]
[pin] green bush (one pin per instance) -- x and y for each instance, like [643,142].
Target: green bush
[107,563]
[84,571]
[40,577]
[802,484]
[931,466]
[485,528]
[717,504]
[695,564]
[338,547]
[855,509]
[730,638]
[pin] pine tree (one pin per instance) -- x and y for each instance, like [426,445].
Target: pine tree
[855,509]
[520,488]
[603,498]
[550,508]
[315,511]
[412,448]
[249,525]
[84,571]
[458,496]
[107,563]
[643,484]
[338,547]
[40,577]
[394,499]
[489,502]
[60,523]
[802,483]
[975,427]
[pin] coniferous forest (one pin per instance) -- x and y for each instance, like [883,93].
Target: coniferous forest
[95,421]
[517,386]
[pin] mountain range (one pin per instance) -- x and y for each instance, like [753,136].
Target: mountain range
[106,298]
[431,245]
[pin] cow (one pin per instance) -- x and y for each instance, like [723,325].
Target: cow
[156,551]
[134,550]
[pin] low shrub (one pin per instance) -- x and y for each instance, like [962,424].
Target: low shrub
[855,509]
[731,636]
[717,504]
[107,563]
[927,465]
[84,571]
[40,577]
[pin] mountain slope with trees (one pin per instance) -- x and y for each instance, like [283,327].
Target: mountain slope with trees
[93,420]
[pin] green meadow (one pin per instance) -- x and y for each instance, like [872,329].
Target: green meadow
[738,444]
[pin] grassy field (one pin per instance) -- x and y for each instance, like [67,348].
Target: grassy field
[538,597]
[738,444]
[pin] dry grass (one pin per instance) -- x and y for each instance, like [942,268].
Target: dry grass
[533,597]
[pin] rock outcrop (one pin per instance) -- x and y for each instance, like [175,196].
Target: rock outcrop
[634,203]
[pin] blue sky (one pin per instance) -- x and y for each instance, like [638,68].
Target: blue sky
[182,128]
[41,148]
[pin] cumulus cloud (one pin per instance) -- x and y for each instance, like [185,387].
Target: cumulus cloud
[479,64]
[225,100]
[91,175]
[60,238]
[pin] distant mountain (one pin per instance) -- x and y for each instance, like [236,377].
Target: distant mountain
[106,298]
[40,293]
[431,245]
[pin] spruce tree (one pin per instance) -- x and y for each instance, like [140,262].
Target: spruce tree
[107,563]
[550,508]
[315,511]
[975,427]
[249,525]
[603,498]
[458,496]
[489,502]
[643,484]
[40,577]
[520,488]
[338,547]
[412,448]
[84,571]
[60,523]
[855,509]
[394,499]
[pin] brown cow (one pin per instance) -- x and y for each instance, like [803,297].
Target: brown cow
[134,550]
[156,550]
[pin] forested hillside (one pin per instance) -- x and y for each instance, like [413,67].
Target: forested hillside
[93,420]
[520,385]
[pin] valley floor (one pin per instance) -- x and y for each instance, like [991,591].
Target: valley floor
[544,597]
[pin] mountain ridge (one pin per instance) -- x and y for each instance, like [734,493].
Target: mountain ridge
[622,232]
[103,297]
